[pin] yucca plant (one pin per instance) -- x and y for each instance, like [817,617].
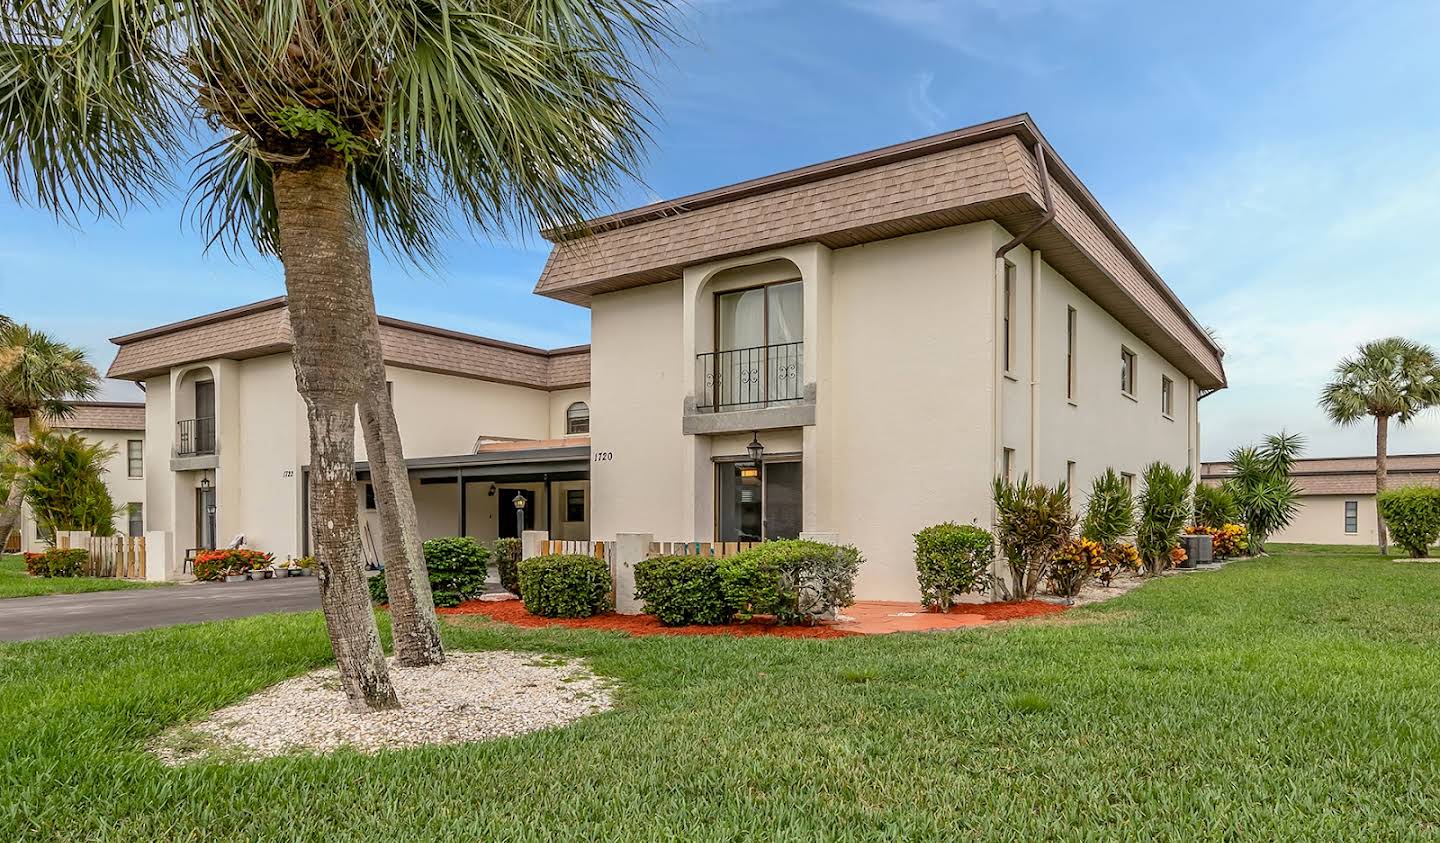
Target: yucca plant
[1110,511]
[333,121]
[1393,378]
[1262,488]
[1215,507]
[1032,522]
[1165,509]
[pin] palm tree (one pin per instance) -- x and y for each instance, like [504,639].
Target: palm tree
[39,375]
[1393,378]
[337,121]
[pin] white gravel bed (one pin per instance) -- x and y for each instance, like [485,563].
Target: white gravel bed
[472,697]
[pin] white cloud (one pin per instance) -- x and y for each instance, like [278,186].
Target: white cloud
[922,107]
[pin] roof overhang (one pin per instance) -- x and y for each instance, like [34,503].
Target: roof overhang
[553,463]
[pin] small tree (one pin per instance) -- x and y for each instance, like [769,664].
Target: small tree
[63,481]
[1261,486]
[952,559]
[1215,507]
[1165,509]
[1032,522]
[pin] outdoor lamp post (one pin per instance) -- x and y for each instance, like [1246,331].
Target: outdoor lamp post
[519,502]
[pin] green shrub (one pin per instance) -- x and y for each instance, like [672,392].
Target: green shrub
[1032,523]
[1260,484]
[56,562]
[458,568]
[379,591]
[565,586]
[952,559]
[681,590]
[1413,517]
[797,581]
[1215,507]
[1165,509]
[1110,512]
[506,553]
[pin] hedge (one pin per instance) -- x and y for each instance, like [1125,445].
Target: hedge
[565,585]
[952,559]
[1413,517]
[680,590]
[506,553]
[797,581]
[458,567]
[56,562]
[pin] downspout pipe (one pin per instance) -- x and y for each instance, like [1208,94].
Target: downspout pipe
[1049,204]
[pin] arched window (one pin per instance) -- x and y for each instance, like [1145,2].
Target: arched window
[577,418]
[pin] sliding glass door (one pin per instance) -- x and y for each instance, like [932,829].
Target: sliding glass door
[751,509]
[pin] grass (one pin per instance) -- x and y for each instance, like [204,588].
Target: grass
[14,582]
[1294,697]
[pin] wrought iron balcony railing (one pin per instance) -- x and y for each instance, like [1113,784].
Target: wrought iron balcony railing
[195,437]
[747,378]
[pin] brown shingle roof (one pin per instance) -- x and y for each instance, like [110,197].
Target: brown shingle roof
[104,415]
[262,328]
[1348,475]
[983,172]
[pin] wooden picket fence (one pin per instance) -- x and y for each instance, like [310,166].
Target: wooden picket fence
[110,556]
[599,550]
[716,550]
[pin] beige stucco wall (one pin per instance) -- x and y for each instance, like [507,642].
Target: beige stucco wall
[900,348]
[1321,520]
[124,489]
[560,401]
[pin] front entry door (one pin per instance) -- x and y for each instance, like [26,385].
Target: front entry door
[205,518]
[508,522]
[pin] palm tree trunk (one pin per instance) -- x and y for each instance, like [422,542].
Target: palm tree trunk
[327,268]
[412,608]
[1382,469]
[10,516]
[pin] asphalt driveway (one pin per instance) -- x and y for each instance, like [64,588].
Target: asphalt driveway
[51,616]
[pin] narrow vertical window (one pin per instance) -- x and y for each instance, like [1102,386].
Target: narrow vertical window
[1070,353]
[136,515]
[1129,480]
[1352,517]
[1009,314]
[1167,396]
[1007,466]
[135,456]
[1070,477]
[1127,371]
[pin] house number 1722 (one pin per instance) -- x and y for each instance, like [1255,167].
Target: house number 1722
[604,456]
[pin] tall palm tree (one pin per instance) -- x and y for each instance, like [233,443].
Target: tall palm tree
[39,375]
[337,121]
[1393,378]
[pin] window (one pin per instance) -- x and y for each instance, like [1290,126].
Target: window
[1352,517]
[1127,371]
[1129,480]
[574,505]
[754,508]
[1070,316]
[1009,336]
[759,346]
[370,496]
[136,513]
[1070,477]
[1167,396]
[577,419]
[1007,466]
[135,455]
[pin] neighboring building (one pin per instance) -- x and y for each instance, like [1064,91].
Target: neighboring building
[856,319]
[1338,494]
[482,421]
[120,426]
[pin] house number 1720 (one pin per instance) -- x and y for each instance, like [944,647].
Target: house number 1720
[604,456]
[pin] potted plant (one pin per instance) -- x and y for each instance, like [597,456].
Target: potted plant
[305,566]
[235,574]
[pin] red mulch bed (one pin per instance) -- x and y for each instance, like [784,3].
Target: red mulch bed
[1009,611]
[513,612]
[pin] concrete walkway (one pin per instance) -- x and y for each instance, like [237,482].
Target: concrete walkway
[51,616]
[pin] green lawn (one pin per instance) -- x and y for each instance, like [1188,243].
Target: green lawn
[14,582]
[1289,698]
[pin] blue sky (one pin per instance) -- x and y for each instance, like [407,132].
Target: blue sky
[1278,163]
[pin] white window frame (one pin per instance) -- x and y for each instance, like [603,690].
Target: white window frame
[574,422]
[1008,317]
[1352,518]
[1129,371]
[131,469]
[1072,319]
[1167,397]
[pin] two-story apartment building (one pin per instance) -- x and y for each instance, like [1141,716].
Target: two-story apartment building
[891,330]
[483,422]
[120,427]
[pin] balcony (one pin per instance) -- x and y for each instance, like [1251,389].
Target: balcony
[195,437]
[750,378]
